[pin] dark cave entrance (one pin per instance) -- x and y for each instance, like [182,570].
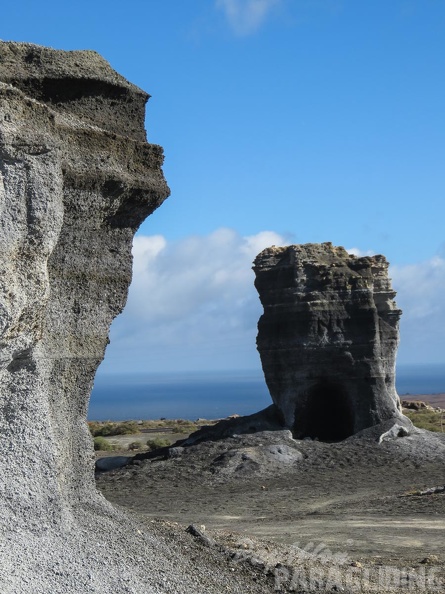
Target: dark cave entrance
[328,414]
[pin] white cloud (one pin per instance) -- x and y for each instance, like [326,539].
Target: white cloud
[192,304]
[420,289]
[246,16]
[360,253]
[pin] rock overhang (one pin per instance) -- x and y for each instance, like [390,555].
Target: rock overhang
[77,83]
[77,178]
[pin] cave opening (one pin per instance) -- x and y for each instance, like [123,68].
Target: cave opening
[328,414]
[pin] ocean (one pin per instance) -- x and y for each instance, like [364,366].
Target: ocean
[212,395]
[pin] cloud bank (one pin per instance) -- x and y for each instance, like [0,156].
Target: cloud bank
[420,294]
[193,306]
[246,16]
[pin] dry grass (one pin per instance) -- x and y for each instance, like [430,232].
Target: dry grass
[141,435]
[427,419]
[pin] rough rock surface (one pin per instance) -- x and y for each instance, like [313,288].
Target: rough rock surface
[328,339]
[72,194]
[77,177]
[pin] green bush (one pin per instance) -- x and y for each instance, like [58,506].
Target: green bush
[105,430]
[95,427]
[127,428]
[157,442]
[103,445]
[109,428]
[185,429]
[427,419]
[184,426]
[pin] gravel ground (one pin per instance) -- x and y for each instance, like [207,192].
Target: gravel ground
[293,506]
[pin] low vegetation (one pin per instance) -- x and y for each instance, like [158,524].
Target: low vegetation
[111,428]
[135,445]
[157,442]
[426,418]
[103,445]
[164,432]
[108,428]
[132,435]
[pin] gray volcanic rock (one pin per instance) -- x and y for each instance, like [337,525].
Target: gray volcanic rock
[328,339]
[72,194]
[77,177]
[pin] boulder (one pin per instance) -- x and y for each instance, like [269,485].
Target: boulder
[327,339]
[395,432]
[415,405]
[112,462]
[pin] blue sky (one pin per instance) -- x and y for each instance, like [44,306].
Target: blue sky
[283,121]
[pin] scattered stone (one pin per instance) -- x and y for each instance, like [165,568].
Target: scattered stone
[395,432]
[414,405]
[430,491]
[430,559]
[199,533]
[175,452]
[258,457]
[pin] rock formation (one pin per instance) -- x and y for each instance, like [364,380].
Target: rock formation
[77,178]
[327,339]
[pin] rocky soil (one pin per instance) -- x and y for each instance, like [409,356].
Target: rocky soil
[354,509]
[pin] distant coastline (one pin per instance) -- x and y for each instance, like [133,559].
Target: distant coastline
[219,394]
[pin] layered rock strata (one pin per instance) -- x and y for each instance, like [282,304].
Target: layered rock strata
[77,178]
[328,338]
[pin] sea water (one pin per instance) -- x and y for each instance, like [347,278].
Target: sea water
[177,395]
[214,395]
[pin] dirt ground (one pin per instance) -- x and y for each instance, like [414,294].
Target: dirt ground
[358,499]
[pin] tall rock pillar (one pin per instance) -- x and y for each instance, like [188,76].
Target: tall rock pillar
[77,177]
[328,338]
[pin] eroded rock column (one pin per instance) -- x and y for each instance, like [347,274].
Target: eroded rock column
[77,177]
[328,338]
